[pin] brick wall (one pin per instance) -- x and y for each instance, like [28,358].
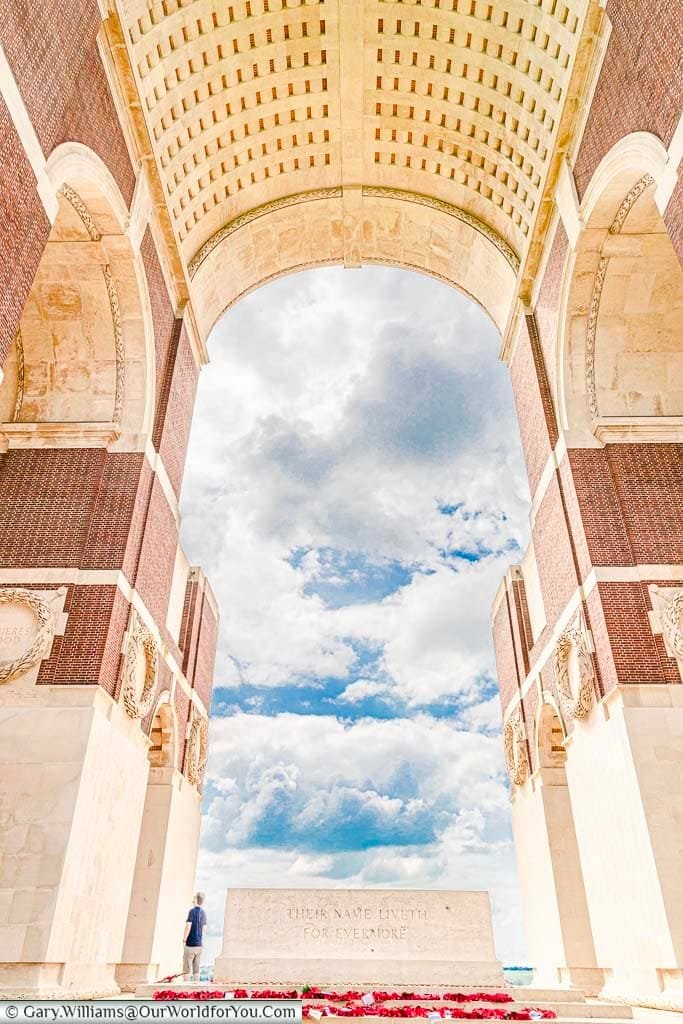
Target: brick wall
[89,651]
[206,654]
[521,626]
[531,413]
[157,556]
[174,416]
[508,670]
[24,228]
[52,50]
[66,507]
[548,302]
[629,500]
[554,558]
[163,316]
[641,83]
[198,637]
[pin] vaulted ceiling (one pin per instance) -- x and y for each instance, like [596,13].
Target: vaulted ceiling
[248,102]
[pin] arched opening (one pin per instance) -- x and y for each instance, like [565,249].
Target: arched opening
[162,735]
[80,368]
[366,473]
[550,749]
[620,360]
[396,229]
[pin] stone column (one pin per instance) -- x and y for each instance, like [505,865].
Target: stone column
[164,878]
[73,773]
[625,775]
[557,925]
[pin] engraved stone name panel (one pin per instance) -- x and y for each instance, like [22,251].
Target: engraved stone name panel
[372,937]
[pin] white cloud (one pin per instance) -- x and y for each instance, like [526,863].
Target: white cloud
[323,423]
[486,715]
[449,782]
[361,689]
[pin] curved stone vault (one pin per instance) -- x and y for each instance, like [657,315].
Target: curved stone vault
[259,105]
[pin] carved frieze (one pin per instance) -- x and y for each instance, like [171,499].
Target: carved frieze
[197,749]
[667,618]
[574,673]
[516,754]
[27,626]
[139,676]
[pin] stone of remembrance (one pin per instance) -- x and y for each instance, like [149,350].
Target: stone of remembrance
[358,937]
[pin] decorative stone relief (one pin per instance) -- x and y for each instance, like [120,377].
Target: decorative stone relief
[594,311]
[574,673]
[667,618]
[82,210]
[27,625]
[671,625]
[139,675]
[197,749]
[19,400]
[118,342]
[336,193]
[516,754]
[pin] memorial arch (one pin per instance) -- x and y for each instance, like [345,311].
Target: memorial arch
[523,151]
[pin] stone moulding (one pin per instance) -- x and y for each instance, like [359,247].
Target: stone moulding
[119,348]
[197,749]
[141,646]
[577,703]
[40,646]
[516,754]
[21,376]
[335,192]
[82,210]
[634,193]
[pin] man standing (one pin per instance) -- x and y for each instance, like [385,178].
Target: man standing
[194,931]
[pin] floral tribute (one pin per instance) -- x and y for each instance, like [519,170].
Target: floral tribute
[352,1003]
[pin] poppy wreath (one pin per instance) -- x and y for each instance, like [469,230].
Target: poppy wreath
[349,996]
[378,1010]
[354,1006]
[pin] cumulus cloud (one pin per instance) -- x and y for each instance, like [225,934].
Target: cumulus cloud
[364,416]
[397,803]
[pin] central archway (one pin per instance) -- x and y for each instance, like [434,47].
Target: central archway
[397,229]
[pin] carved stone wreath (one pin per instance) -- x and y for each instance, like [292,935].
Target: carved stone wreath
[671,625]
[197,749]
[137,700]
[576,701]
[40,646]
[516,755]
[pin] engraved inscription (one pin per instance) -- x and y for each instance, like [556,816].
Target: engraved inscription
[18,629]
[355,924]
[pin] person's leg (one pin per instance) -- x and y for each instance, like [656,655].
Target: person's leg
[187,963]
[196,962]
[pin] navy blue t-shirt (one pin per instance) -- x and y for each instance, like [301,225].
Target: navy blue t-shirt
[197,919]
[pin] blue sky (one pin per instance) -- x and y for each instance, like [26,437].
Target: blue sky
[355,491]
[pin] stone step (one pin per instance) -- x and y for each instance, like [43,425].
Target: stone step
[521,992]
